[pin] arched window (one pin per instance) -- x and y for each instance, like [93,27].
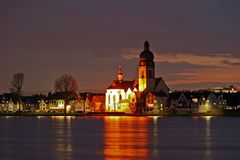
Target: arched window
[133,97]
[114,98]
[109,99]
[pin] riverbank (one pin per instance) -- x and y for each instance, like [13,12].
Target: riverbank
[227,113]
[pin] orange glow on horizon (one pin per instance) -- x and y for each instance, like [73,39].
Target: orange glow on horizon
[212,68]
[223,75]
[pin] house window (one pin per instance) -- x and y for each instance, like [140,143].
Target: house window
[150,98]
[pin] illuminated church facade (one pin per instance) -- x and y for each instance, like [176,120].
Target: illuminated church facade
[146,94]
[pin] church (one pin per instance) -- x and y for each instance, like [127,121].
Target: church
[145,94]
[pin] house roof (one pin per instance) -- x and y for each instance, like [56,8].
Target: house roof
[158,80]
[9,96]
[33,99]
[122,85]
[62,95]
[30,99]
[190,95]
[176,95]
[200,94]
[159,94]
[86,95]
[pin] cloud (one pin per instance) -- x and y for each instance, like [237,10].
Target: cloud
[189,70]
[213,60]
[211,76]
[230,63]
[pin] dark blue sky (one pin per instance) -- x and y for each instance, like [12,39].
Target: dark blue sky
[196,43]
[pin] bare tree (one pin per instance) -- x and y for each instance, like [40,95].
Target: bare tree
[16,86]
[66,83]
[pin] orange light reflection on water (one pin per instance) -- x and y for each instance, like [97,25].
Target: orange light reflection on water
[125,138]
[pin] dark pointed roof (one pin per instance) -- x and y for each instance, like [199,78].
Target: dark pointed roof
[146,54]
[176,95]
[9,96]
[201,94]
[30,100]
[159,94]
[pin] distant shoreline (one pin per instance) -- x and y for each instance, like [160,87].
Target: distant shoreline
[27,114]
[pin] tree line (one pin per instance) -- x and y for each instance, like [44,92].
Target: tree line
[65,83]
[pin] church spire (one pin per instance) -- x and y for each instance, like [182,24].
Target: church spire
[146,45]
[120,74]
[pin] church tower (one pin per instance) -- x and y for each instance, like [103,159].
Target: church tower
[146,69]
[120,74]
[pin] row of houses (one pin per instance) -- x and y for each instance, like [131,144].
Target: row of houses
[156,102]
[53,102]
[203,102]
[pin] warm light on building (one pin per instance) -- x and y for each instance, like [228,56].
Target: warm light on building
[120,95]
[117,100]
[124,96]
[142,81]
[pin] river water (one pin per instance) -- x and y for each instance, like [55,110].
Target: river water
[167,138]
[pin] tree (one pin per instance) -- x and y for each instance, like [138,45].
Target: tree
[66,83]
[16,86]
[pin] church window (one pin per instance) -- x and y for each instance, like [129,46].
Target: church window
[133,100]
[114,98]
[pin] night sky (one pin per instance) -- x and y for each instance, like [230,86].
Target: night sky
[196,43]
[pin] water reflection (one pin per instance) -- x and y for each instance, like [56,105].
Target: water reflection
[206,135]
[125,138]
[63,149]
[155,137]
[208,138]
